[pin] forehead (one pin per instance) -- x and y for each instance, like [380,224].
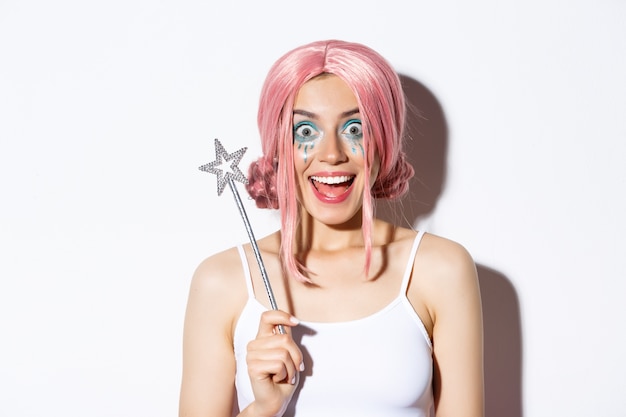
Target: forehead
[325,95]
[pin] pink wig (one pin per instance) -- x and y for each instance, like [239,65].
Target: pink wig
[379,94]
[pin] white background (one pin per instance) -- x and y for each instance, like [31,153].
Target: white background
[108,108]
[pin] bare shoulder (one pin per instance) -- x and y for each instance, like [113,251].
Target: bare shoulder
[447,290]
[216,297]
[445,259]
[437,254]
[217,268]
[222,275]
[219,282]
[444,274]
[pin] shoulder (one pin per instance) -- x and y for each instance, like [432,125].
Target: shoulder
[447,278]
[437,253]
[444,274]
[444,258]
[216,298]
[218,285]
[223,272]
[216,269]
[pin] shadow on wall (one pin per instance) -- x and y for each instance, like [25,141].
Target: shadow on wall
[426,148]
[426,144]
[503,344]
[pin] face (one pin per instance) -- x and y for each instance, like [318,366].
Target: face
[329,154]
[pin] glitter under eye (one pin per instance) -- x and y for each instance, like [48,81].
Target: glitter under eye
[306,147]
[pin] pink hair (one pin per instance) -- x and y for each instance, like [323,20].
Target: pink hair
[381,102]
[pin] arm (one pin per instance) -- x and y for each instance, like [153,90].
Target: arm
[216,299]
[455,309]
[207,387]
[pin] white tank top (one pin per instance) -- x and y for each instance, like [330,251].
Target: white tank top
[377,366]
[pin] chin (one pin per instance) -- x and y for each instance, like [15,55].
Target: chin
[336,215]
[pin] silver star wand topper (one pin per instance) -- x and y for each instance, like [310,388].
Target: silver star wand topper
[227,171]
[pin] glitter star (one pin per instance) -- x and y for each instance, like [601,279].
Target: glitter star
[225,166]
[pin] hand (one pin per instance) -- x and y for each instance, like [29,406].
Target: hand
[274,361]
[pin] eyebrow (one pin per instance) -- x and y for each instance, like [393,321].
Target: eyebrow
[314,116]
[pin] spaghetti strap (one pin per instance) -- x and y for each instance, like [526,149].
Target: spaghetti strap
[246,271]
[410,262]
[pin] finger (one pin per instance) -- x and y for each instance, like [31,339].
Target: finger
[279,341]
[283,343]
[276,364]
[271,319]
[274,370]
[277,348]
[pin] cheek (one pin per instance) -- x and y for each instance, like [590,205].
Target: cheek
[356,148]
[301,157]
[302,152]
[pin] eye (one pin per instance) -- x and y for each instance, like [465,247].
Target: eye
[353,129]
[304,131]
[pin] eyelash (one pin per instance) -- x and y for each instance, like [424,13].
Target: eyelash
[299,137]
[314,134]
[352,136]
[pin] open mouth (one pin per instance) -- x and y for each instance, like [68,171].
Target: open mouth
[332,187]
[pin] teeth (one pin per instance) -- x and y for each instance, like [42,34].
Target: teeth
[332,180]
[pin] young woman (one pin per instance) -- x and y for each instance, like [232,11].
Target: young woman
[380,320]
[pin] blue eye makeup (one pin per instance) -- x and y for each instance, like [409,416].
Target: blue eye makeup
[305,133]
[353,131]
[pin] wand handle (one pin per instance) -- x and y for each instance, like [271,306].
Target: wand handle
[255,248]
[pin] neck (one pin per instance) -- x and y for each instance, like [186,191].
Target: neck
[317,236]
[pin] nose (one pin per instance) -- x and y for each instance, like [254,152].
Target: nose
[332,149]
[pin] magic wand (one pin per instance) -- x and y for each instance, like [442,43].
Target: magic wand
[227,171]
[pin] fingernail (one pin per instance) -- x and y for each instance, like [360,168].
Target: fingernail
[293,380]
[301,366]
[294,320]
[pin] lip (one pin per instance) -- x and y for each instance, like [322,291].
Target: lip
[329,199]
